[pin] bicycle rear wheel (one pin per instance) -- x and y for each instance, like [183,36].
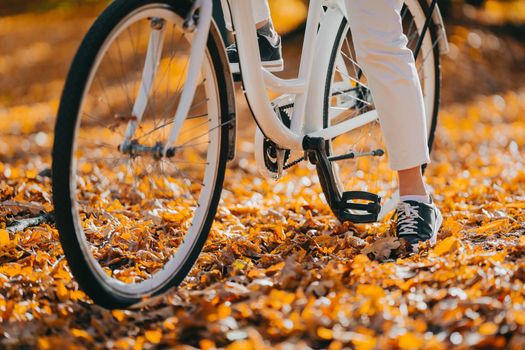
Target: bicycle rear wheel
[347,96]
[133,219]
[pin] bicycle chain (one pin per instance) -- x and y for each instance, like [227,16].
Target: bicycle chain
[289,165]
[294,163]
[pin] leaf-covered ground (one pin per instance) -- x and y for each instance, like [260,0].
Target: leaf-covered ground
[279,271]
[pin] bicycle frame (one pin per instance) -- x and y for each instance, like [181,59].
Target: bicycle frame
[256,79]
[323,21]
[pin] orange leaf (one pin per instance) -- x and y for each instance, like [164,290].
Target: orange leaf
[488,328]
[410,341]
[153,336]
[324,333]
[448,245]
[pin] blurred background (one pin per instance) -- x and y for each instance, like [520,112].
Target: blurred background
[487,39]
[38,39]
[487,44]
[484,67]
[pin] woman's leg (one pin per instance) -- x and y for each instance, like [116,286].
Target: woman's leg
[389,66]
[391,72]
[261,13]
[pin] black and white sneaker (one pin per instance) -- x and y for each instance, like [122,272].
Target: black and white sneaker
[417,222]
[271,55]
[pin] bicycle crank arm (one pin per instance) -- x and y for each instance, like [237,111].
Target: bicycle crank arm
[343,205]
[354,155]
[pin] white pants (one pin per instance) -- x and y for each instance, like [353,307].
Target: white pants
[261,12]
[381,49]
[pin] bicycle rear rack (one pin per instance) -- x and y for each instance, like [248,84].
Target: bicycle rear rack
[343,205]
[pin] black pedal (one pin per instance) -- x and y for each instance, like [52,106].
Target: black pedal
[343,205]
[371,208]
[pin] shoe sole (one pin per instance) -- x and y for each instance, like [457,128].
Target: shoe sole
[270,66]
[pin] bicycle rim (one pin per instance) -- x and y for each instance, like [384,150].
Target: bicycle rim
[138,216]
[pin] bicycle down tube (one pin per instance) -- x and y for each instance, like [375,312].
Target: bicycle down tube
[256,79]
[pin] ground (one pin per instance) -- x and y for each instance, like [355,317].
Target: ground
[279,270]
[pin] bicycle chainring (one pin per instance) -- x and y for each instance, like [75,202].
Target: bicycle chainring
[274,160]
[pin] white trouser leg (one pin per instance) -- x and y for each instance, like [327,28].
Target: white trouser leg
[261,12]
[393,79]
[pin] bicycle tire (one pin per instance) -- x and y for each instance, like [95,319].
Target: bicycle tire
[63,147]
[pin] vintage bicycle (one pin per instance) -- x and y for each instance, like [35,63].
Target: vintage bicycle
[147,123]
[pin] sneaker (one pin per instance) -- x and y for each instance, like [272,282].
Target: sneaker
[271,55]
[417,222]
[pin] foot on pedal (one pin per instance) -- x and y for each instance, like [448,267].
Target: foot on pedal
[354,206]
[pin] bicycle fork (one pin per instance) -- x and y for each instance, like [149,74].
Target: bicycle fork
[198,20]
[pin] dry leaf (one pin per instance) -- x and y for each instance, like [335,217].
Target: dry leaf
[382,248]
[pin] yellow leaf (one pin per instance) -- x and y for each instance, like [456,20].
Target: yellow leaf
[43,343]
[492,226]
[519,316]
[370,290]
[126,236]
[119,315]
[488,328]
[361,259]
[516,205]
[324,333]
[241,345]
[223,311]
[31,174]
[275,268]
[80,333]
[4,238]
[448,245]
[239,264]
[153,336]
[139,343]
[498,257]
[123,343]
[206,344]
[410,341]
[365,342]
[452,225]
[335,345]
[61,290]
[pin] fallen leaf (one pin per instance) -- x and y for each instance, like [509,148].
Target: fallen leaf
[448,245]
[382,248]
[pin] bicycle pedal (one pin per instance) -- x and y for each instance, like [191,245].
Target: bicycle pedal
[355,206]
[369,211]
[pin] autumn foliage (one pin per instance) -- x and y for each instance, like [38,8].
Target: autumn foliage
[278,271]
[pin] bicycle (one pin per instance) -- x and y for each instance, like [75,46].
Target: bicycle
[147,124]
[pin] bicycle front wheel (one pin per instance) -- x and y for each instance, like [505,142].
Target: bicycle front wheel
[133,218]
[348,96]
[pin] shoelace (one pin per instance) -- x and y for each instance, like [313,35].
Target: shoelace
[407,219]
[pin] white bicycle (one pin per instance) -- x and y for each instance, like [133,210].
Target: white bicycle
[147,124]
